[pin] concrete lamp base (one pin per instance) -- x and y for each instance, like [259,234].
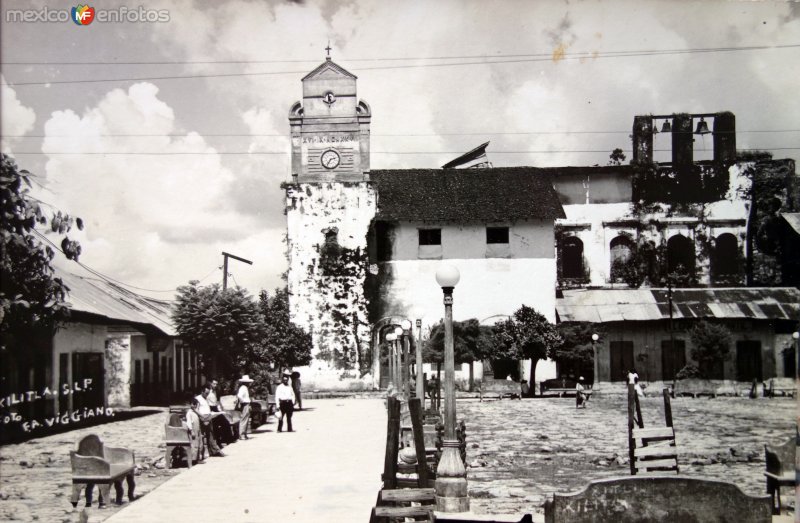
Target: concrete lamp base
[451,481]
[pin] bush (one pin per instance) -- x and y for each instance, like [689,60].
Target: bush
[690,371]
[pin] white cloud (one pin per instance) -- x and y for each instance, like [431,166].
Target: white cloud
[17,118]
[158,217]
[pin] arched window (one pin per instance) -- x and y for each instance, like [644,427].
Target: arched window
[621,251]
[680,255]
[571,257]
[725,256]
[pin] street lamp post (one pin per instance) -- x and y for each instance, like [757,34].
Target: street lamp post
[595,337]
[420,374]
[451,476]
[390,349]
[796,337]
[406,325]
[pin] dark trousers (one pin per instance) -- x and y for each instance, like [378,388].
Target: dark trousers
[208,435]
[287,408]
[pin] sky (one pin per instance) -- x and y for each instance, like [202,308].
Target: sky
[169,137]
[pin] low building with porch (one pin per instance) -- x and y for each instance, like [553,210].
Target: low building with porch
[637,329]
[117,349]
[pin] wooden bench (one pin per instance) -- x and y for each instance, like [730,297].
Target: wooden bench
[93,463]
[500,388]
[780,470]
[178,436]
[261,410]
[561,386]
[396,504]
[651,499]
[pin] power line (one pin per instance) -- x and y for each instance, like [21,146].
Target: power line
[95,272]
[393,135]
[548,58]
[233,153]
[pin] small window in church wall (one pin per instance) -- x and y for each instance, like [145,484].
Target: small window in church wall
[495,235]
[430,236]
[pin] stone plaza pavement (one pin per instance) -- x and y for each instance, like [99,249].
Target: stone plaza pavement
[327,471]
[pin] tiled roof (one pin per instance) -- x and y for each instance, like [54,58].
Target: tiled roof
[499,194]
[96,296]
[606,305]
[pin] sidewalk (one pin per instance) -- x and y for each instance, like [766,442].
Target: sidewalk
[327,471]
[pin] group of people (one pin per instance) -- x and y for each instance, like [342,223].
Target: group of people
[206,421]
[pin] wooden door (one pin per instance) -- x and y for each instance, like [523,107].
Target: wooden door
[621,354]
[88,365]
[748,361]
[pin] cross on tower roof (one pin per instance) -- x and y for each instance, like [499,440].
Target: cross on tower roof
[328,49]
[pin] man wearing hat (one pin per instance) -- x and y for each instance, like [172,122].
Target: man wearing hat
[284,396]
[243,405]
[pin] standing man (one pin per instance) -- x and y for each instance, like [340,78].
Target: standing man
[296,389]
[206,418]
[243,404]
[284,396]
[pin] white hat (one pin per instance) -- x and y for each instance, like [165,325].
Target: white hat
[245,379]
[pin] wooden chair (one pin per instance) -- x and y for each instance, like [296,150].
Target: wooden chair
[178,436]
[780,470]
[96,464]
[651,450]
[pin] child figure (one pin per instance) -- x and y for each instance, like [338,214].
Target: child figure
[197,452]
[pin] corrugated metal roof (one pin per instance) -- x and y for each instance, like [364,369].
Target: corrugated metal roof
[606,305]
[97,296]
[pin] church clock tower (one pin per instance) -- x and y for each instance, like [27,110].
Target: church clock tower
[330,204]
[330,128]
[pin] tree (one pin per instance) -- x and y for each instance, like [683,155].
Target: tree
[710,348]
[527,334]
[284,344]
[32,299]
[576,351]
[222,326]
[471,342]
[616,157]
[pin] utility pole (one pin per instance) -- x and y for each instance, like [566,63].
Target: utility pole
[225,257]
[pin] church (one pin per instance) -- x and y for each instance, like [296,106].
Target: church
[364,245]
[602,245]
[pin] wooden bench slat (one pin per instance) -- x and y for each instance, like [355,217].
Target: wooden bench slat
[403,512]
[657,463]
[654,432]
[660,450]
[405,483]
[408,494]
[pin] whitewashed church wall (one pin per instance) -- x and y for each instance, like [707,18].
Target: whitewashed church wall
[332,309]
[488,289]
[530,239]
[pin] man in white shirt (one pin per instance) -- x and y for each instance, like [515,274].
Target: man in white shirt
[243,405]
[206,416]
[284,397]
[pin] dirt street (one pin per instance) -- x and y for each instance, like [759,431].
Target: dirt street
[35,476]
[521,451]
[518,451]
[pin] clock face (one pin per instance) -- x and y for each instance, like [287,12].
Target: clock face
[330,159]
